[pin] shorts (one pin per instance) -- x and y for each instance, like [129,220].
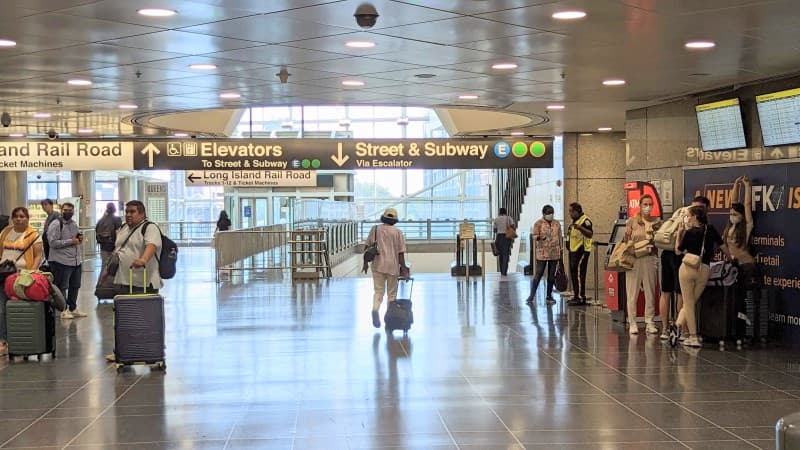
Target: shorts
[670,263]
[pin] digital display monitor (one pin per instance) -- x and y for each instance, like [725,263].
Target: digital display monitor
[779,115]
[720,125]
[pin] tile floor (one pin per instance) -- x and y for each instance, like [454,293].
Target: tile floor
[272,365]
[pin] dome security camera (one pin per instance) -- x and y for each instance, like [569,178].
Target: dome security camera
[366,15]
[52,134]
[5,119]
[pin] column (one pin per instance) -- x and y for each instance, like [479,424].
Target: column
[127,188]
[343,182]
[83,186]
[14,191]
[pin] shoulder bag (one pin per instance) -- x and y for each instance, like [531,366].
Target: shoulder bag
[622,257]
[693,261]
[113,261]
[511,233]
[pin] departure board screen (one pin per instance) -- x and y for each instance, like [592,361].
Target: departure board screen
[779,114]
[720,125]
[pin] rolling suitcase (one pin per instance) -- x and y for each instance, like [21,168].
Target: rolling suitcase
[139,328]
[398,313]
[719,314]
[31,328]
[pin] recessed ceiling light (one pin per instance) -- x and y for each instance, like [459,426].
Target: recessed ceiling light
[230,95]
[517,133]
[181,134]
[7,43]
[360,44]
[203,66]
[127,106]
[79,82]
[700,45]
[569,15]
[157,12]
[468,97]
[41,115]
[16,135]
[424,75]
[614,82]
[604,129]
[85,130]
[555,107]
[587,134]
[504,66]
[352,83]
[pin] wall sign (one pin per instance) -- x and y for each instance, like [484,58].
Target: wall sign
[252,178]
[66,155]
[776,210]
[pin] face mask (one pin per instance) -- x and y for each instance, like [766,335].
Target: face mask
[548,217]
[67,216]
[735,219]
[646,210]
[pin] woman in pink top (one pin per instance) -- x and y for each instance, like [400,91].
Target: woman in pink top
[548,241]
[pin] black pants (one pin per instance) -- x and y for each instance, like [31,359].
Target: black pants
[68,279]
[578,262]
[551,276]
[503,251]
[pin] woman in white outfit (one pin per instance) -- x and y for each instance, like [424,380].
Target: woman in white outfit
[645,268]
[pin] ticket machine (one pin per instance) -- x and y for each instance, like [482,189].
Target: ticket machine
[614,281]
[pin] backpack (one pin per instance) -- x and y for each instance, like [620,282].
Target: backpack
[722,273]
[106,230]
[4,221]
[666,234]
[168,259]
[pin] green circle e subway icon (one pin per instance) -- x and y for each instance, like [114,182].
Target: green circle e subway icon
[536,149]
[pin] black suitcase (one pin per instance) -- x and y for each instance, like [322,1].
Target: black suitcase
[139,329]
[719,314]
[398,313]
[31,328]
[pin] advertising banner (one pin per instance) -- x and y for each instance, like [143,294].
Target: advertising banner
[776,211]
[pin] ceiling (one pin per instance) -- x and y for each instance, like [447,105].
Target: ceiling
[145,61]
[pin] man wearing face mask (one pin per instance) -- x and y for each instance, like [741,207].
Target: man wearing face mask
[65,258]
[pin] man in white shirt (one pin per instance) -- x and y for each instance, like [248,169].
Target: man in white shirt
[389,263]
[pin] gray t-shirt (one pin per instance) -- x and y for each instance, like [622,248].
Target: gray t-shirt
[502,222]
[132,250]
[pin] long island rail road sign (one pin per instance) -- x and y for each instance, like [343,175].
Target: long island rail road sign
[276,154]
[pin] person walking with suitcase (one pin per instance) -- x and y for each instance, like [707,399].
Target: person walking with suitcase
[106,232]
[549,245]
[65,258]
[696,241]
[22,246]
[389,263]
[136,249]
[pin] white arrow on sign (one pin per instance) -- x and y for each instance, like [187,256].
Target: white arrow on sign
[777,153]
[149,150]
[339,158]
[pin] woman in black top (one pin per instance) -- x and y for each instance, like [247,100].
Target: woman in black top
[698,237]
[223,223]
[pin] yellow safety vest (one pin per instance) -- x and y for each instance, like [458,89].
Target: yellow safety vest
[576,238]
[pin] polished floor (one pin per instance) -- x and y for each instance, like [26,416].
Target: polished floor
[272,365]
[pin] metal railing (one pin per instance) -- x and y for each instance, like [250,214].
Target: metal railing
[431,230]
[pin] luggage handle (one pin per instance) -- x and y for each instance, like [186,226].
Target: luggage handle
[144,280]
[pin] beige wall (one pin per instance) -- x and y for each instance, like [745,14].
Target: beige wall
[663,139]
[594,174]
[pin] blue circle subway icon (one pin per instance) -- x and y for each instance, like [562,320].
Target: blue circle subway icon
[502,149]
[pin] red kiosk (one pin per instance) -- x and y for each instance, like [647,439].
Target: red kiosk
[616,297]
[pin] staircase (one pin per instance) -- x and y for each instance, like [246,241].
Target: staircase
[529,213]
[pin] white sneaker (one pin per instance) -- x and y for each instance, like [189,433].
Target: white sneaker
[77,313]
[634,329]
[692,342]
[664,336]
[652,329]
[66,314]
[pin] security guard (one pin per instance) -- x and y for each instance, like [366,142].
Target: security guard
[580,248]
